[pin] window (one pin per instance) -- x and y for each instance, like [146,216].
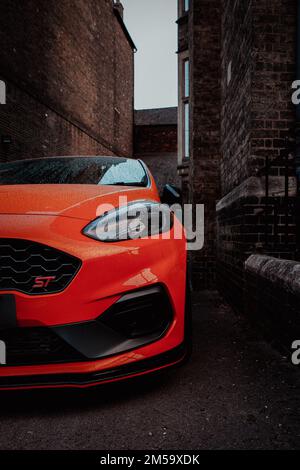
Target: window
[186,74]
[186,5]
[186,137]
[184,109]
[74,170]
[2,92]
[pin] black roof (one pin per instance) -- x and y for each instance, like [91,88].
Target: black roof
[155,117]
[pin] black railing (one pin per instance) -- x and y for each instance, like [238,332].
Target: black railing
[280,207]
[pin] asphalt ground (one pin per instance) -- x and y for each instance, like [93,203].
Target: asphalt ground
[237,392]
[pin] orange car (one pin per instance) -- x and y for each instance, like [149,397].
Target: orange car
[87,293]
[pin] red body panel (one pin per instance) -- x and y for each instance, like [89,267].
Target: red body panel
[55,215]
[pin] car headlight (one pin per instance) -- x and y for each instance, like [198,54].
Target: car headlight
[139,219]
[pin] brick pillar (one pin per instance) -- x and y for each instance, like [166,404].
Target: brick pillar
[205,129]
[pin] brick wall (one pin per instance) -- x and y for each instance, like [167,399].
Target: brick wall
[258,43]
[204,24]
[155,139]
[274,49]
[244,229]
[236,55]
[69,73]
[258,38]
[155,142]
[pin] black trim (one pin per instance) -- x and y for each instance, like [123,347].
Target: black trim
[145,168]
[168,359]
[41,270]
[183,18]
[8,312]
[159,124]
[102,338]
[27,346]
[182,49]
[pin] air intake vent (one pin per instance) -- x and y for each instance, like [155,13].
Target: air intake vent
[33,268]
[29,346]
[141,313]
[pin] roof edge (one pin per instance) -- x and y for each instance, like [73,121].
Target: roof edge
[125,30]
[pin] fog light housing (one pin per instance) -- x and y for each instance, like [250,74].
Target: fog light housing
[141,313]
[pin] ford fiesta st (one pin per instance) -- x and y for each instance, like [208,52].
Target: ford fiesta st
[85,296]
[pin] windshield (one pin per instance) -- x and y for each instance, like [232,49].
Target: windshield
[74,170]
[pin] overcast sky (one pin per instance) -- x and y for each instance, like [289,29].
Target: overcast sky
[151,24]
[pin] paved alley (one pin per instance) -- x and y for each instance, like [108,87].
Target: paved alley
[235,393]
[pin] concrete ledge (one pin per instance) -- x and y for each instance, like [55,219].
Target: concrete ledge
[272,298]
[256,187]
[284,274]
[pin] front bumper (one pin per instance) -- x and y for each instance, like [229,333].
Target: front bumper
[132,370]
[137,319]
[108,273]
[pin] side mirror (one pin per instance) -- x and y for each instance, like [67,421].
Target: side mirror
[171,195]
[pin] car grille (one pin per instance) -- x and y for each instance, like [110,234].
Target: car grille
[38,345]
[22,262]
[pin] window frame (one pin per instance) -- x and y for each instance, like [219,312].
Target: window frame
[186,77]
[186,142]
[184,154]
[185,6]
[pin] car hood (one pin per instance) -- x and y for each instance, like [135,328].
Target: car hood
[77,201]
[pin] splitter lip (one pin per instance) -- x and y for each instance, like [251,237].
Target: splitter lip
[169,359]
